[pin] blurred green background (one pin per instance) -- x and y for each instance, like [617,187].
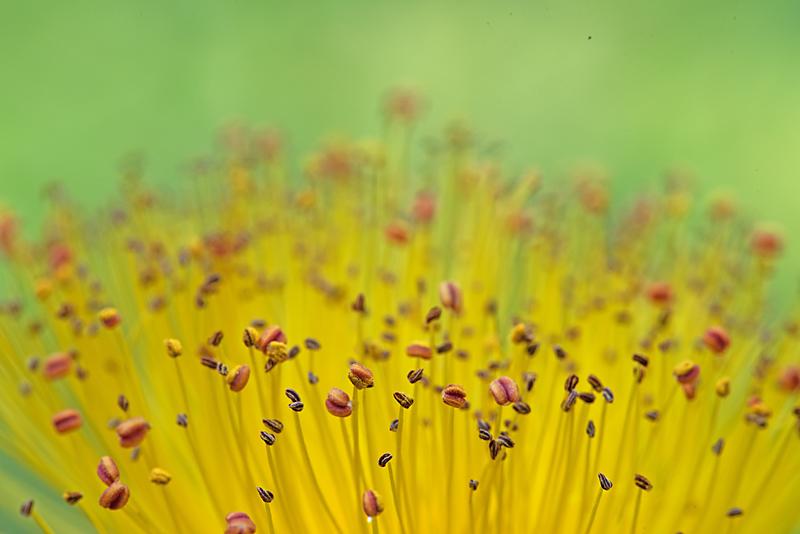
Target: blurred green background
[636,86]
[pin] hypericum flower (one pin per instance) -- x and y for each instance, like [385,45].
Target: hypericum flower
[578,329]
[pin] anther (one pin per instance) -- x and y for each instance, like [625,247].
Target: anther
[587,397]
[360,376]
[297,406]
[590,429]
[174,347]
[72,497]
[239,523]
[505,441]
[473,484]
[338,403]
[249,337]
[57,365]
[415,375]
[532,348]
[687,372]
[107,470]
[266,495]
[384,459]
[132,431]
[419,350]
[522,407]
[450,295]
[571,383]
[403,400]
[267,438]
[182,420]
[209,362]
[26,508]
[595,382]
[433,314]
[159,476]
[454,395]
[569,401]
[734,512]
[641,360]
[494,449]
[652,415]
[529,379]
[371,503]
[394,425]
[109,317]
[359,304]
[444,347]
[504,391]
[237,379]
[292,395]
[115,496]
[484,434]
[273,424]
[716,339]
[216,338]
[642,482]
[605,483]
[559,351]
[723,387]
[67,421]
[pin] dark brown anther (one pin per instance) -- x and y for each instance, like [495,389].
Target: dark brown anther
[72,497]
[122,402]
[528,380]
[734,512]
[292,395]
[641,360]
[312,378]
[444,348]
[569,402]
[608,395]
[433,314]
[394,425]
[358,304]
[595,382]
[209,362]
[605,484]
[532,348]
[484,434]
[222,369]
[297,406]
[505,441]
[415,375]
[403,400]
[587,397]
[522,407]
[473,485]
[216,338]
[267,438]
[249,337]
[652,415]
[26,508]
[384,459]
[266,495]
[590,429]
[559,351]
[494,448]
[718,446]
[293,352]
[312,344]
[182,420]
[642,482]
[571,383]
[273,424]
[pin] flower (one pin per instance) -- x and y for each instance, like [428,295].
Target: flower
[334,279]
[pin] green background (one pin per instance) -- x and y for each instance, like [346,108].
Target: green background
[713,87]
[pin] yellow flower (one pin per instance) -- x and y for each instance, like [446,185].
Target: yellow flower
[479,376]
